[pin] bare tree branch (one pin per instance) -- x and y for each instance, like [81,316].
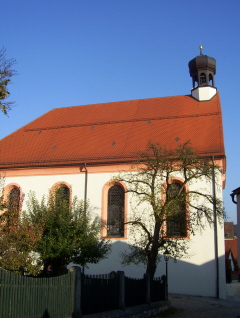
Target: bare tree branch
[153,183]
[6,72]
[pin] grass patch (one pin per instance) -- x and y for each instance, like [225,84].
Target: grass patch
[169,312]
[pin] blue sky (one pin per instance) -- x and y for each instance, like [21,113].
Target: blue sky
[80,52]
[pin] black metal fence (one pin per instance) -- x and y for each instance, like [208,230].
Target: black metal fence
[135,291]
[158,289]
[99,294]
[116,291]
[74,294]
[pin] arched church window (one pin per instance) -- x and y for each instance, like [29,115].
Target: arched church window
[176,219]
[62,195]
[115,211]
[13,201]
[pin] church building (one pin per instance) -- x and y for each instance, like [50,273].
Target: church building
[83,147]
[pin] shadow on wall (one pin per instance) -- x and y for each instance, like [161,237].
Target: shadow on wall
[183,276]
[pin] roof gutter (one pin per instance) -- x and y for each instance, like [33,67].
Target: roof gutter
[235,192]
[233,196]
[82,163]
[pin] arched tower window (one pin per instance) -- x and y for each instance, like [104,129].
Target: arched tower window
[211,80]
[115,211]
[203,80]
[176,220]
[195,81]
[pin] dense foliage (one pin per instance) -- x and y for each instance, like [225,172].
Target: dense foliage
[68,233]
[50,235]
[18,239]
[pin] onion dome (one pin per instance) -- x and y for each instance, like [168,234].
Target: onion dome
[202,70]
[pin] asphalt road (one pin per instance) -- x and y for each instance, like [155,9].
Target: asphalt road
[202,307]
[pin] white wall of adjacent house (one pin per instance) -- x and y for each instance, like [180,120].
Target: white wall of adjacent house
[194,275]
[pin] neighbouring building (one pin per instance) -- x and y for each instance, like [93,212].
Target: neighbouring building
[231,247]
[82,147]
[236,199]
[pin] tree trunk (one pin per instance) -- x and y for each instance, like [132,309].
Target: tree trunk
[151,266]
[153,253]
[46,269]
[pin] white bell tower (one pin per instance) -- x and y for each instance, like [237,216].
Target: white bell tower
[202,70]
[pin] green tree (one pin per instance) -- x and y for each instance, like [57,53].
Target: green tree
[165,210]
[17,243]
[18,239]
[6,72]
[68,235]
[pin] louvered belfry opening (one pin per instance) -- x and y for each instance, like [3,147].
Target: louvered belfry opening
[115,215]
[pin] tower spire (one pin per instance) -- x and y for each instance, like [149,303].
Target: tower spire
[202,70]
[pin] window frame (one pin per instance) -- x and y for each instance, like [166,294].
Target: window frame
[104,212]
[187,214]
[57,186]
[6,192]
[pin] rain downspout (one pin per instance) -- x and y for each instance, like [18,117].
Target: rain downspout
[85,196]
[85,187]
[215,228]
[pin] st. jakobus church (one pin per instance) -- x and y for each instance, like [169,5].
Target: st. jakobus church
[83,147]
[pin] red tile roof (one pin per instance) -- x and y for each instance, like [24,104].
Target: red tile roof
[114,132]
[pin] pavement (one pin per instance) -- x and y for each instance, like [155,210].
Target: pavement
[233,290]
[205,307]
[183,306]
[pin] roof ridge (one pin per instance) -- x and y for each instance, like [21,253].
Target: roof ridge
[124,101]
[121,121]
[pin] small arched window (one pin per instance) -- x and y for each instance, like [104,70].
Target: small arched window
[203,80]
[195,81]
[115,211]
[13,201]
[211,80]
[176,218]
[62,195]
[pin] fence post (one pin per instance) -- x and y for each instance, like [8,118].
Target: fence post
[122,304]
[147,284]
[77,313]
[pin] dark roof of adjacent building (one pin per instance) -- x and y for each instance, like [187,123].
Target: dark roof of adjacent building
[114,132]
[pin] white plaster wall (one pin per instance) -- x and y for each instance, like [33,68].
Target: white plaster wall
[202,93]
[195,275]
